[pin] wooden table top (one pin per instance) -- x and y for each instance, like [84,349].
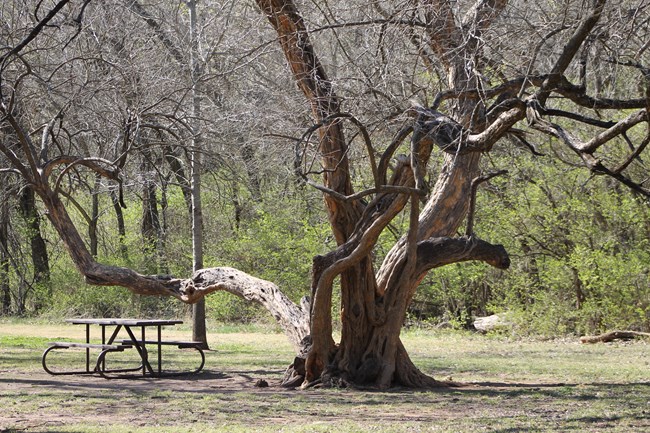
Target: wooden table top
[124,322]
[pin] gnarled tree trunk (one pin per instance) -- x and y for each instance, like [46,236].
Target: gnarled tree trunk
[373,305]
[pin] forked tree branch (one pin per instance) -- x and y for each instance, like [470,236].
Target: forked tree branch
[472,200]
[576,94]
[585,150]
[364,133]
[569,52]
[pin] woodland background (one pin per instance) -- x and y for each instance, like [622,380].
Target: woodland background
[579,243]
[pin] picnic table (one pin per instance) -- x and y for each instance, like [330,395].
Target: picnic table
[135,329]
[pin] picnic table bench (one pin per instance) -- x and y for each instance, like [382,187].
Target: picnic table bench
[109,345]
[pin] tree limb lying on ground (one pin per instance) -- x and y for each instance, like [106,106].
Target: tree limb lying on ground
[614,335]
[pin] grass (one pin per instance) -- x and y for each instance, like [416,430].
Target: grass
[512,386]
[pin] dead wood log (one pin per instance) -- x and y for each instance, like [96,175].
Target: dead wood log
[612,336]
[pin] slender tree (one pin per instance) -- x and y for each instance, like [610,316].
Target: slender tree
[39,253]
[5,289]
[199,332]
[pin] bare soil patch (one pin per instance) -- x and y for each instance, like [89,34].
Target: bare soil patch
[221,399]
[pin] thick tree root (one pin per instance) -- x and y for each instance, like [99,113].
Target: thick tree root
[407,375]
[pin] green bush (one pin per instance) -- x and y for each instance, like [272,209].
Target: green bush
[277,245]
[579,252]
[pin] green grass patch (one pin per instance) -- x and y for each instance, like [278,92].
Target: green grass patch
[20,341]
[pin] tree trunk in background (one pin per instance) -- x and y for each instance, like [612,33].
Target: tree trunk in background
[163,263]
[532,268]
[5,291]
[198,310]
[253,171]
[121,226]
[191,186]
[174,161]
[94,216]
[150,228]
[40,258]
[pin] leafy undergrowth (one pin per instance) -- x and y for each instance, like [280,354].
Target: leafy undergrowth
[508,386]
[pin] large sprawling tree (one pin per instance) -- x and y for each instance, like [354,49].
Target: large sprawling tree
[487,73]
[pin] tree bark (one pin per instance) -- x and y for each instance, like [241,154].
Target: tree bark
[40,257]
[373,306]
[94,216]
[613,336]
[357,281]
[199,332]
[5,290]
[121,226]
[150,228]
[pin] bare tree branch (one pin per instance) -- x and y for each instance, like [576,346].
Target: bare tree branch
[436,252]
[34,32]
[469,232]
[570,50]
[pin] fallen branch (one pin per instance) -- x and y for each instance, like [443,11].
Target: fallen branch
[613,335]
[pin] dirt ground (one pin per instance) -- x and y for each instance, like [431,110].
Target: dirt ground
[222,399]
[58,394]
[50,390]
